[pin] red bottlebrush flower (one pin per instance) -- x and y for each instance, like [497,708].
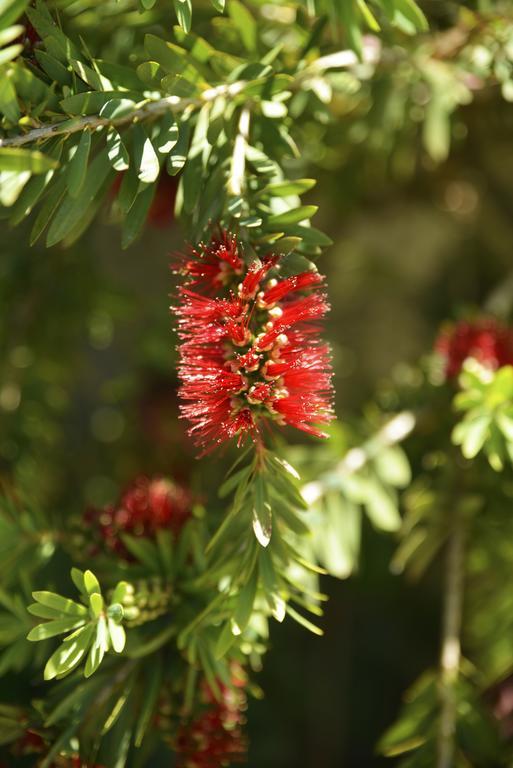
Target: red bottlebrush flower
[249,352]
[486,340]
[215,737]
[148,505]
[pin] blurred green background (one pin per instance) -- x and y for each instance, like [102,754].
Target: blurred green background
[87,393]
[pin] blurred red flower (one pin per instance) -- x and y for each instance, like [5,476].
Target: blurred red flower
[215,737]
[148,505]
[486,340]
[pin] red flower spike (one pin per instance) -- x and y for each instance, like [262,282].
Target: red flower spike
[486,340]
[250,354]
[215,738]
[148,505]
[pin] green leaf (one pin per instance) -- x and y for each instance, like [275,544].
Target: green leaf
[72,210]
[43,611]
[11,186]
[10,53]
[99,647]
[505,424]
[8,100]
[244,603]
[91,583]
[262,513]
[304,622]
[392,466]
[381,507]
[339,533]
[369,17]
[293,216]
[149,699]
[178,155]
[311,236]
[77,576]
[135,220]
[116,150]
[476,432]
[191,184]
[119,74]
[117,635]
[409,17]
[244,23]
[183,10]
[146,162]
[77,168]
[53,68]
[11,10]
[151,73]
[168,135]
[128,190]
[234,481]
[175,60]
[60,604]
[143,549]
[51,202]
[34,189]
[53,628]
[165,547]
[96,604]
[69,654]
[93,102]
[225,641]
[14,159]
[287,188]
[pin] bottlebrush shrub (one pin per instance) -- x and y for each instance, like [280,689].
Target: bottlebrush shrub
[155,585]
[250,354]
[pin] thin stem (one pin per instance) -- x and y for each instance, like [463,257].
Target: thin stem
[451,646]
[150,110]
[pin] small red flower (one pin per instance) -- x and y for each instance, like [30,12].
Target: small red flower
[148,505]
[212,265]
[215,737]
[250,352]
[486,340]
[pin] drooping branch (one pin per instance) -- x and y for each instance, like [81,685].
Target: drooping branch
[339,60]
